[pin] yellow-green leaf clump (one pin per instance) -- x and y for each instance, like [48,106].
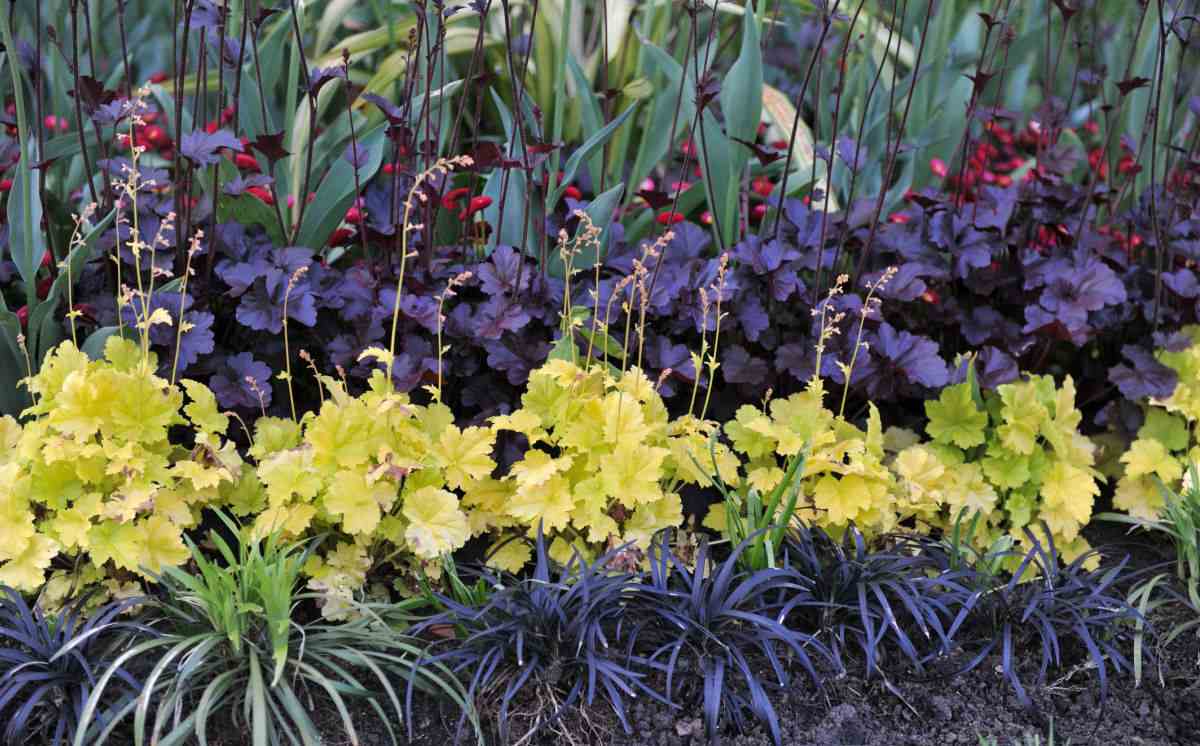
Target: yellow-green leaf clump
[91,487]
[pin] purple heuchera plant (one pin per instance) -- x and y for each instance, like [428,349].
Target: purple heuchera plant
[242,383]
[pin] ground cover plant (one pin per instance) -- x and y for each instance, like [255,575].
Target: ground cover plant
[521,371]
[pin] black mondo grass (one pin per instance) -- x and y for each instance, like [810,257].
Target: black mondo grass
[718,622]
[872,603]
[49,664]
[1052,607]
[554,635]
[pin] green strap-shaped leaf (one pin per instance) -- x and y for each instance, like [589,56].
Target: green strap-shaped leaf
[336,194]
[589,147]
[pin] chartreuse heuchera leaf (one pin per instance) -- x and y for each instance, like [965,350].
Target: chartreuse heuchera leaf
[1018,462]
[1166,443]
[954,419]
[97,479]
[92,475]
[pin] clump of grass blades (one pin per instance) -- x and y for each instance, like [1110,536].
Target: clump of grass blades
[49,663]
[1179,523]
[554,636]
[872,602]
[1046,603]
[231,651]
[715,623]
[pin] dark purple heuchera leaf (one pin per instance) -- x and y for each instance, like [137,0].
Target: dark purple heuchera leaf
[499,274]
[392,112]
[1068,327]
[798,359]
[262,309]
[763,257]
[204,149]
[751,316]
[238,185]
[1182,282]
[953,233]
[849,153]
[995,208]
[739,367]
[415,362]
[109,114]
[422,309]
[1174,341]
[993,367]
[1072,289]
[518,357]
[232,388]
[1144,377]
[908,284]
[904,360]
[498,316]
[204,15]
[319,76]
[195,341]
[662,354]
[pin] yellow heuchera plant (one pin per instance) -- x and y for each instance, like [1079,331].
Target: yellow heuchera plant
[844,479]
[383,473]
[93,479]
[602,469]
[1166,442]
[1014,455]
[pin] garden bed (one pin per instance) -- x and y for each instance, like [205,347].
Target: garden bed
[602,371]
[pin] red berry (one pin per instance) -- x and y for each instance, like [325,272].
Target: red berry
[159,77]
[573,192]
[43,287]
[938,167]
[389,169]
[669,218]
[758,212]
[23,315]
[354,216]
[6,185]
